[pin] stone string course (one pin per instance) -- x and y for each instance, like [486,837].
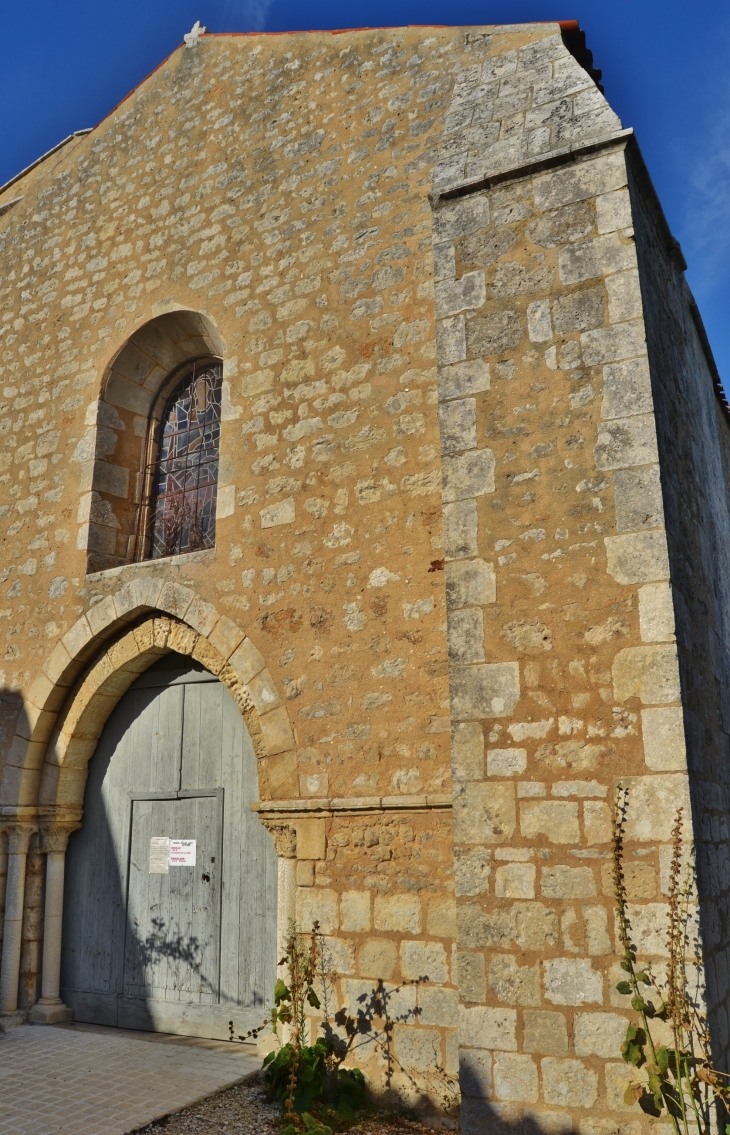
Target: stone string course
[433,270]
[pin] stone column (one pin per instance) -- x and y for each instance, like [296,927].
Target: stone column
[286,903]
[50,1010]
[18,840]
[286,906]
[284,837]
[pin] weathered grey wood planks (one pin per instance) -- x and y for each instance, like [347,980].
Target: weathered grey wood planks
[186,951]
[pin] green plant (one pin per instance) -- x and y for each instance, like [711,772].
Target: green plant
[312,1126]
[290,1008]
[680,1079]
[312,1076]
[348,1092]
[310,1068]
[318,1080]
[299,1074]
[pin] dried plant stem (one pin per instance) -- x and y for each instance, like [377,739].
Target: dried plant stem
[676,1001]
[624,926]
[302,966]
[680,1079]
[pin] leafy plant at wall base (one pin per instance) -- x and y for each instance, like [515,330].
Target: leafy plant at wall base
[679,1078]
[295,1071]
[302,1075]
[312,1126]
[316,1079]
[310,1076]
[349,1092]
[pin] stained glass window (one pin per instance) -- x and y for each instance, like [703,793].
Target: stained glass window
[185,474]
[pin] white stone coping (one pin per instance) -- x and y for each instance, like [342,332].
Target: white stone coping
[352,804]
[201,556]
[542,162]
[6,206]
[42,158]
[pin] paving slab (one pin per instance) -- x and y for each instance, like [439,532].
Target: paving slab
[88,1080]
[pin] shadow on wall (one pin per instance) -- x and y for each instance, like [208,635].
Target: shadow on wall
[479,1117]
[168,943]
[402,1066]
[12,711]
[3,888]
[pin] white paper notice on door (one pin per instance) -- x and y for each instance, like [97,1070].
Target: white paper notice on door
[159,855]
[182,852]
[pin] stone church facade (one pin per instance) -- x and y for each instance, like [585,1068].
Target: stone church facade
[467,564]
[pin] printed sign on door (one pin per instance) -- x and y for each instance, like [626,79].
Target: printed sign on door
[159,855]
[182,852]
[166,853]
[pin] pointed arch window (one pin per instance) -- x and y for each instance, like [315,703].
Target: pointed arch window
[181,479]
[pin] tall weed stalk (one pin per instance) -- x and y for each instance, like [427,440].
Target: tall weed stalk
[305,1075]
[302,1075]
[679,1078]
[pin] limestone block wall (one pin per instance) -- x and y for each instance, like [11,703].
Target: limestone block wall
[694,454]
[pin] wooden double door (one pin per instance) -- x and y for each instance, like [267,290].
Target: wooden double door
[187,950]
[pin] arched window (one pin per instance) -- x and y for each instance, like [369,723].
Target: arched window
[181,475]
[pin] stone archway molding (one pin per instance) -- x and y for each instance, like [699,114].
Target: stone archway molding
[68,705]
[66,708]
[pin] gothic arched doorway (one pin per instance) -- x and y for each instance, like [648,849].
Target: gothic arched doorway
[182,950]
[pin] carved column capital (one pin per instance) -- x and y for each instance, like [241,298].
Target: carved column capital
[19,837]
[54,837]
[284,837]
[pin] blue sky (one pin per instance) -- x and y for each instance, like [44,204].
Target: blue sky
[666,70]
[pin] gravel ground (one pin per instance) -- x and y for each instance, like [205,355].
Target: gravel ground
[245,1110]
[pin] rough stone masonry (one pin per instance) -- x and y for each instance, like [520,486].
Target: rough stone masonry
[473,544]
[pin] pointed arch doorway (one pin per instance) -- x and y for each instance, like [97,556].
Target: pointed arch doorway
[187,949]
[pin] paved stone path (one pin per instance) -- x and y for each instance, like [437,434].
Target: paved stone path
[87,1081]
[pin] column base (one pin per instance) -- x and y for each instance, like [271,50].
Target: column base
[10,1020]
[50,1012]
